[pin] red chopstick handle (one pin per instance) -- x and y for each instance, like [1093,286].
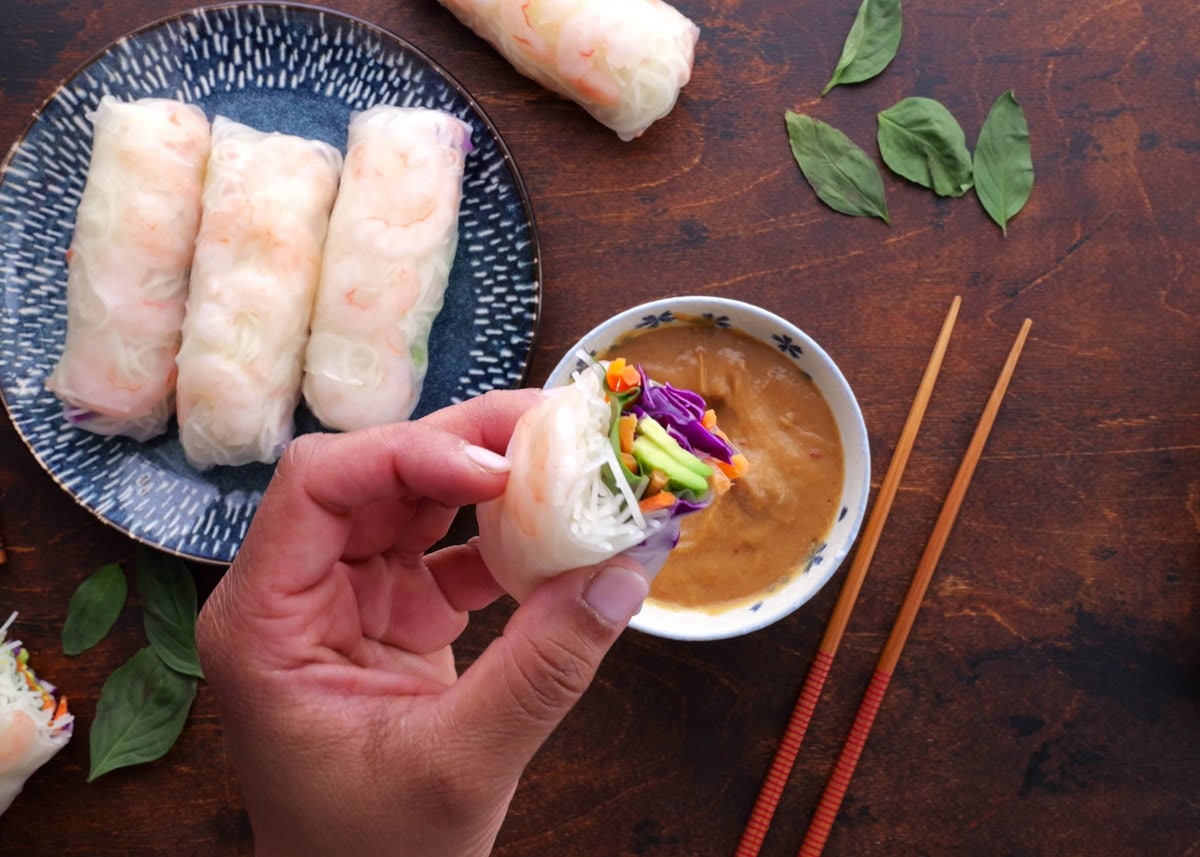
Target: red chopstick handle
[785,757]
[835,790]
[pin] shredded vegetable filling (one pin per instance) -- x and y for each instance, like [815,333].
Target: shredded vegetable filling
[33,727]
[598,514]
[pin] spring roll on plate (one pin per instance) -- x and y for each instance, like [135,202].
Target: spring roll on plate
[604,465]
[33,727]
[128,264]
[623,61]
[267,199]
[392,240]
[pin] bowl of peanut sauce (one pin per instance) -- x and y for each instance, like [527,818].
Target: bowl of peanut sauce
[768,545]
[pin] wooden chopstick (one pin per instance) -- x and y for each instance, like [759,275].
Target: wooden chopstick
[835,789]
[818,671]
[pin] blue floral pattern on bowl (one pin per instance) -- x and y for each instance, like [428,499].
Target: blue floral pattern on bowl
[785,344]
[653,321]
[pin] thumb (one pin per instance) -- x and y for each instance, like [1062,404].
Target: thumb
[509,701]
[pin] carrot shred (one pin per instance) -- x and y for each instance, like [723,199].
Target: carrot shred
[629,461]
[621,376]
[736,468]
[626,429]
[709,421]
[655,502]
[719,482]
[658,482]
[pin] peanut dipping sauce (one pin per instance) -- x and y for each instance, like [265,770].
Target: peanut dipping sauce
[766,527]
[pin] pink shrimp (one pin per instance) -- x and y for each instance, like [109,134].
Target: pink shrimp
[580,57]
[515,16]
[16,739]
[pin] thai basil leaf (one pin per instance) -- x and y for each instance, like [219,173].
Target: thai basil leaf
[921,140]
[871,43]
[169,595]
[93,609]
[839,171]
[140,713]
[1003,161]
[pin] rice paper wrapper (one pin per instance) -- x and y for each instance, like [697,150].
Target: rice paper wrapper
[623,61]
[127,268]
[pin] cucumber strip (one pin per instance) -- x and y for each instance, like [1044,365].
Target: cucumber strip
[651,430]
[651,457]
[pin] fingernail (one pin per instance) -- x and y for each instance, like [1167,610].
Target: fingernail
[616,593]
[487,460]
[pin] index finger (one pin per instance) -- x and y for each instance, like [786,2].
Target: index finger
[486,420]
[306,516]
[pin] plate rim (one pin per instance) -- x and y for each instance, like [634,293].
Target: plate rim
[305,8]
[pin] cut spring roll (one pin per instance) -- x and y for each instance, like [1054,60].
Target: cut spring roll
[604,465]
[623,61]
[386,266]
[267,199]
[127,267]
[33,725]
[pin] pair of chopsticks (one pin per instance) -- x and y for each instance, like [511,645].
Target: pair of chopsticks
[785,757]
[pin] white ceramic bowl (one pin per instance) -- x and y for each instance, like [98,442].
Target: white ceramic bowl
[766,327]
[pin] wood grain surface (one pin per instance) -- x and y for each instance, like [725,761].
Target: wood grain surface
[1048,701]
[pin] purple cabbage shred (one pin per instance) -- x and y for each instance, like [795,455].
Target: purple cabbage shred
[652,553]
[681,413]
[76,415]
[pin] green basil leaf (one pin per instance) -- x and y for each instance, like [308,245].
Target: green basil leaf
[1003,161]
[169,595]
[839,171]
[140,713]
[921,140]
[93,609]
[871,44]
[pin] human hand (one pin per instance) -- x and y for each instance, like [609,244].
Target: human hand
[327,645]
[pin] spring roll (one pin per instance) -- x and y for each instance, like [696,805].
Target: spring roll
[623,61]
[127,266]
[267,199]
[386,266]
[33,726]
[607,464]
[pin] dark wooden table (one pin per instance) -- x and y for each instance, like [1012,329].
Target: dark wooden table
[1048,702]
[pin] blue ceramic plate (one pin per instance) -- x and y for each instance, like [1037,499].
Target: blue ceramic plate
[296,69]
